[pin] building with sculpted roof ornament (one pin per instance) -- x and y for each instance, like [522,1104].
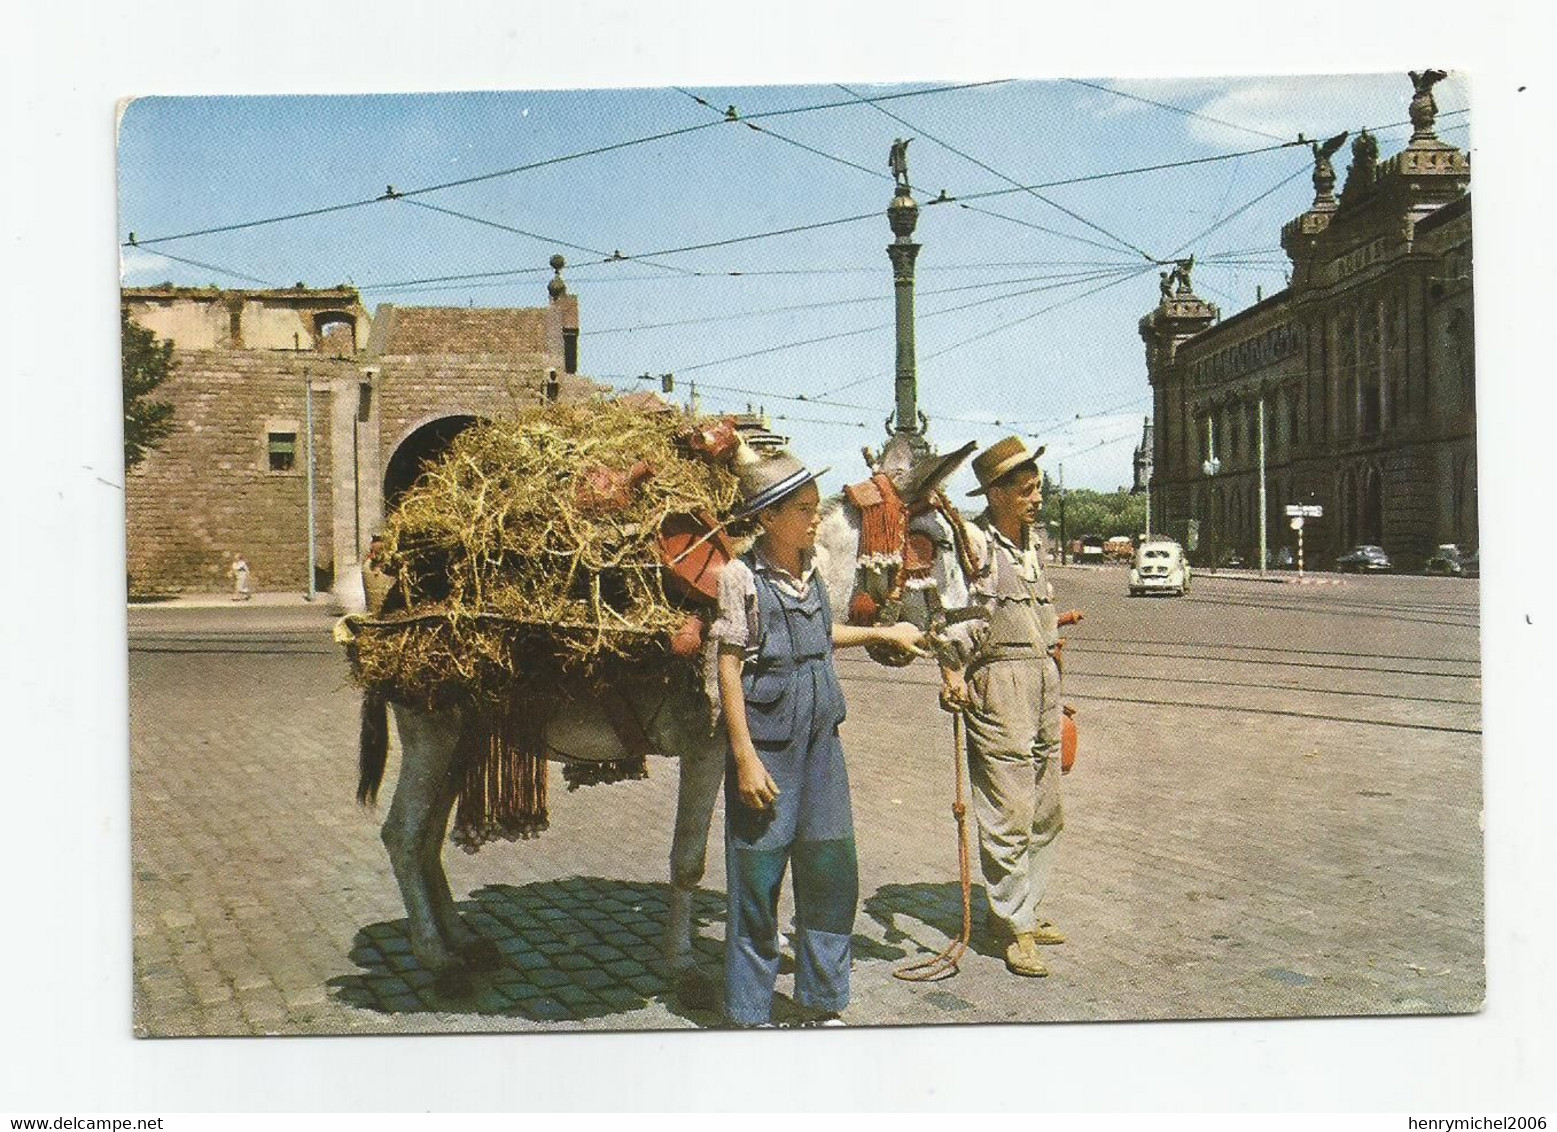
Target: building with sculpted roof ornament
[1365,364]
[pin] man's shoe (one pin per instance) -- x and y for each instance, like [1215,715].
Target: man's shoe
[1022,957]
[1047,933]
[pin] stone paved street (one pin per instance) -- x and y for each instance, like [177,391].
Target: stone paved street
[1276,811]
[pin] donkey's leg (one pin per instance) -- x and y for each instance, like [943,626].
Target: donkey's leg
[472,948]
[417,817]
[702,773]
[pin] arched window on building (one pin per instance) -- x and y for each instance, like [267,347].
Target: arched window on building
[1372,406]
[1370,506]
[1462,514]
[335,333]
[1461,358]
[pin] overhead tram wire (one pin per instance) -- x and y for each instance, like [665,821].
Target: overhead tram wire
[609,257]
[525,168]
[773,349]
[1033,225]
[950,199]
[1002,327]
[506,273]
[731,115]
[1175,109]
[1241,209]
[134,243]
[829,304]
[1009,180]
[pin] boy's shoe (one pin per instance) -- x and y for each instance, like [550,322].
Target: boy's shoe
[820,1021]
[1022,957]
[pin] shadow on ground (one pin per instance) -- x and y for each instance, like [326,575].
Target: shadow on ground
[571,950]
[900,908]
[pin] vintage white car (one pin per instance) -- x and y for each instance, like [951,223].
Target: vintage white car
[1159,567]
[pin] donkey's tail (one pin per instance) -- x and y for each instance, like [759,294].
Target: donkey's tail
[373,747]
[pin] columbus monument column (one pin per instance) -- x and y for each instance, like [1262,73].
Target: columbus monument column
[907,428]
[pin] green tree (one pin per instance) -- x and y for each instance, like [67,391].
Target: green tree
[147,364]
[1101,513]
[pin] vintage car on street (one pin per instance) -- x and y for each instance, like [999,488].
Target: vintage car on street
[1159,567]
[1364,560]
[1120,548]
[1470,565]
[1090,549]
[1445,560]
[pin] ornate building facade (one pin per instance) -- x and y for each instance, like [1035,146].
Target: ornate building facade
[1362,369]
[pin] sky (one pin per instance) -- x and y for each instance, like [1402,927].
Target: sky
[1027,301]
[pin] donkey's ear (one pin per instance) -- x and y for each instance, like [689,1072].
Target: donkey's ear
[930,473]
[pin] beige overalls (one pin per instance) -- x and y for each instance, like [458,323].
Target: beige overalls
[1014,732]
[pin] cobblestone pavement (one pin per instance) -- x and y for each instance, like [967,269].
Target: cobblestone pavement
[1276,811]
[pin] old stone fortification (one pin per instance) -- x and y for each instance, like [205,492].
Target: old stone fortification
[387,391]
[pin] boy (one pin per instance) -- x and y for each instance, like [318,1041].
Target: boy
[786,786]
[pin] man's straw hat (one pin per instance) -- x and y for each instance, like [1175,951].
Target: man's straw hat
[1002,458]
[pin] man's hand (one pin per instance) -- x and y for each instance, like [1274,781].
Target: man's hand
[954,690]
[753,782]
[905,636]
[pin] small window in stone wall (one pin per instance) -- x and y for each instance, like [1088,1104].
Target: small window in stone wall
[282,449]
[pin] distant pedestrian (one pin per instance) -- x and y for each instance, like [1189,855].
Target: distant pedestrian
[240,578]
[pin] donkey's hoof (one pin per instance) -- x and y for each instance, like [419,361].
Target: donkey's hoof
[481,955]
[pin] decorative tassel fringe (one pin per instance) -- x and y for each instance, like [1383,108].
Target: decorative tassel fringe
[503,796]
[883,518]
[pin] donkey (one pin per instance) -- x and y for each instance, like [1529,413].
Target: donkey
[675,718]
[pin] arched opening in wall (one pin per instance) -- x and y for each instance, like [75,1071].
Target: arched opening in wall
[422,447]
[1463,504]
[1370,508]
[335,333]
[1346,511]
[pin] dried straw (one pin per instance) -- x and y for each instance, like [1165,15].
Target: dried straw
[513,572]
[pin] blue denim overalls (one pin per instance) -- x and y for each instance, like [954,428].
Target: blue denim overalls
[794,705]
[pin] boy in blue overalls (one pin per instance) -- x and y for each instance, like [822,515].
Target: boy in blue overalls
[786,786]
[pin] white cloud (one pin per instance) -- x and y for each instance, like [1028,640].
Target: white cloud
[1276,105]
[137,265]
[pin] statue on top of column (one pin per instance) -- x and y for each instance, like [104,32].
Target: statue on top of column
[898,163]
[1177,281]
[1324,171]
[1363,171]
[1424,108]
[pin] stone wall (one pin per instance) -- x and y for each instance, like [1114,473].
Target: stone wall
[208,491]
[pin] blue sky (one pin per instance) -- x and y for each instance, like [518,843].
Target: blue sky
[1027,319]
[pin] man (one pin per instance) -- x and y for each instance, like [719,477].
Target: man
[1008,690]
[239,571]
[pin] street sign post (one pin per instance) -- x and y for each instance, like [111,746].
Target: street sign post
[1297,512]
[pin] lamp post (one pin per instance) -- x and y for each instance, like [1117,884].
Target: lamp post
[308,425]
[1262,484]
[1211,467]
